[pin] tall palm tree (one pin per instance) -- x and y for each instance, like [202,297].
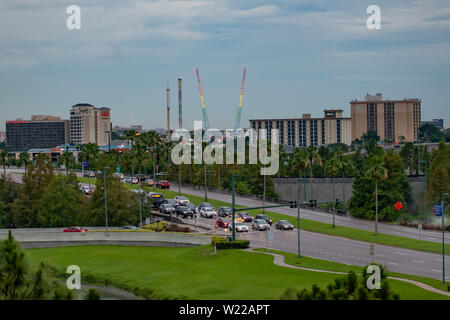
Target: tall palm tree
[4,158]
[24,160]
[66,159]
[378,172]
[300,162]
[90,153]
[333,167]
[313,157]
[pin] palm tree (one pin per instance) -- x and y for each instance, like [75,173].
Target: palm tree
[24,160]
[66,159]
[378,172]
[332,167]
[4,158]
[300,162]
[313,157]
[90,153]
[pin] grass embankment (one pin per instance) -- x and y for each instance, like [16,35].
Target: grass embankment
[320,227]
[195,273]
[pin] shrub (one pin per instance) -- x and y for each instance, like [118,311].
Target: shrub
[237,244]
[156,226]
[92,294]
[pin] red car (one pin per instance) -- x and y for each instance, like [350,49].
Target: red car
[223,222]
[163,184]
[75,229]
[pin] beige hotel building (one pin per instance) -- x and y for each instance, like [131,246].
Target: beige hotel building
[89,124]
[390,119]
[307,131]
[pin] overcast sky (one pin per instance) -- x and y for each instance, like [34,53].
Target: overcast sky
[301,56]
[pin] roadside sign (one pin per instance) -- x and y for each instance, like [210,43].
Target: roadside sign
[269,234]
[118,169]
[437,210]
[398,206]
[147,220]
[85,164]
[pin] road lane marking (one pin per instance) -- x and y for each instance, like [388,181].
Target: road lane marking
[393,263]
[379,255]
[434,270]
[401,253]
[418,261]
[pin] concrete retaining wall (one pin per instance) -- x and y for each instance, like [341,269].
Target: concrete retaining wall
[53,239]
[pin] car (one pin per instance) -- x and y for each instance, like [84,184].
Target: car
[236,218]
[224,211]
[150,182]
[264,217]
[245,216]
[223,222]
[204,204]
[208,212]
[260,225]
[191,206]
[129,228]
[172,202]
[184,211]
[166,208]
[126,180]
[75,229]
[182,200]
[284,225]
[134,180]
[239,227]
[163,184]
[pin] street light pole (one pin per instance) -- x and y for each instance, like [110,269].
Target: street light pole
[206,192]
[298,218]
[443,237]
[264,194]
[425,216]
[233,205]
[140,204]
[106,203]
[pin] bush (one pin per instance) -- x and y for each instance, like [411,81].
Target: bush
[237,244]
[92,294]
[156,226]
[177,228]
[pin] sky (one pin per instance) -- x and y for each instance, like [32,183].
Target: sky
[301,56]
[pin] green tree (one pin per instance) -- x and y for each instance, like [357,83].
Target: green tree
[333,166]
[93,294]
[66,159]
[24,160]
[313,157]
[90,153]
[378,172]
[61,203]
[407,154]
[4,159]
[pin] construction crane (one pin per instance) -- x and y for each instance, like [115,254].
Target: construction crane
[202,100]
[238,114]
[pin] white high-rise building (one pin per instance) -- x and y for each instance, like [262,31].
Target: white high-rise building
[89,124]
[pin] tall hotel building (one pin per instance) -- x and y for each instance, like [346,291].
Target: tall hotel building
[89,124]
[390,119]
[307,131]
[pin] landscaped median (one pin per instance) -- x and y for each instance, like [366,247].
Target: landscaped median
[320,227]
[196,272]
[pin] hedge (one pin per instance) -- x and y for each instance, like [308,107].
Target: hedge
[222,243]
[156,226]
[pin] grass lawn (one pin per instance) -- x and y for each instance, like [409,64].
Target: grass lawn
[320,227]
[195,273]
[308,262]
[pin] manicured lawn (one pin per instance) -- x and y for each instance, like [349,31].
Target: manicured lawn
[195,273]
[308,262]
[320,227]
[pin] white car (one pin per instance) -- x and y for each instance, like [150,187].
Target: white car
[240,227]
[208,212]
[181,200]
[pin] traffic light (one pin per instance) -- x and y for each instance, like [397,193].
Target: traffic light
[293,204]
[315,203]
[311,204]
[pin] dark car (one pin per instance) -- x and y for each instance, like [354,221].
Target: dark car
[245,216]
[223,222]
[129,228]
[184,211]
[191,206]
[284,225]
[166,208]
[224,211]
[264,217]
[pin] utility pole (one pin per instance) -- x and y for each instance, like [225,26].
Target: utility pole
[264,194]
[168,111]
[206,192]
[233,205]
[180,125]
[106,203]
[298,218]
[140,204]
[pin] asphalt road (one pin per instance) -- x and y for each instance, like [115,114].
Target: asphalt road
[435,236]
[341,249]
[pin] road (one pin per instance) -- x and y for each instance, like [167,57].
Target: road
[434,236]
[341,249]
